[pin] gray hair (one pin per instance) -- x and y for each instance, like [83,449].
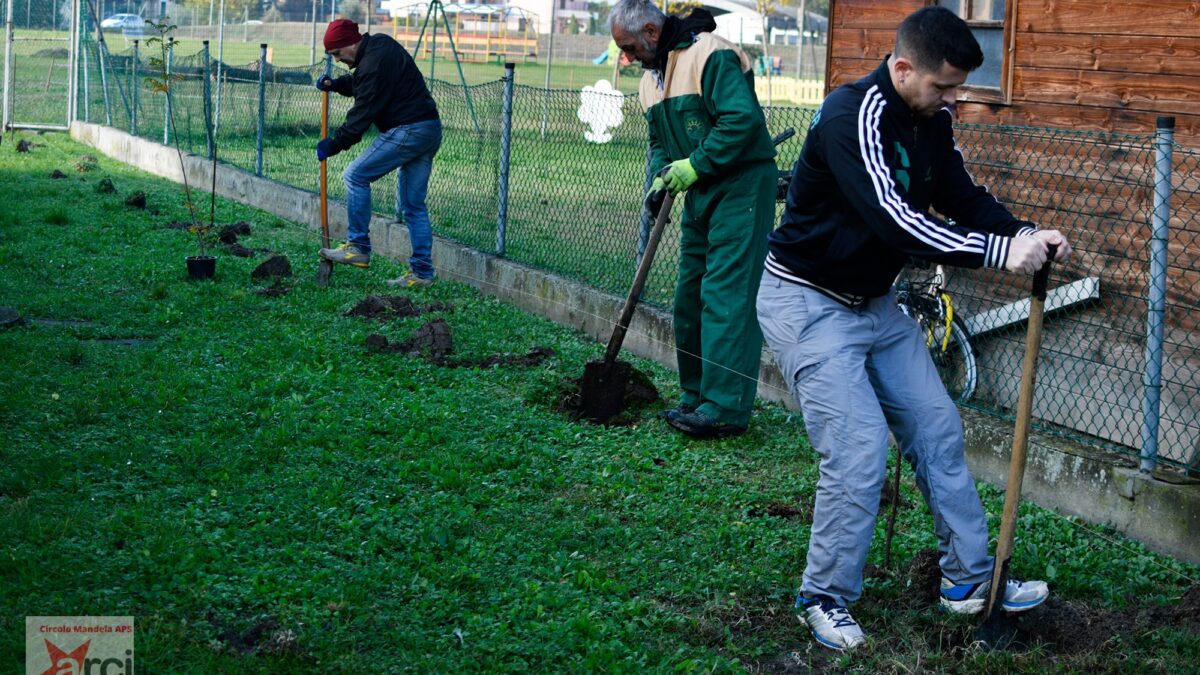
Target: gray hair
[633,15]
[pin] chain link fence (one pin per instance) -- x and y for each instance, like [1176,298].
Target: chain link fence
[576,176]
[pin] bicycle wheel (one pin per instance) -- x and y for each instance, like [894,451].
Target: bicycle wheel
[956,363]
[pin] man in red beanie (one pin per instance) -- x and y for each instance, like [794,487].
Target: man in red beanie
[390,93]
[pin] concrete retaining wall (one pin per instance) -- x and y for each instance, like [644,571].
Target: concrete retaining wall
[1059,475]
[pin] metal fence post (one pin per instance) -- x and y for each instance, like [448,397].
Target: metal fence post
[100,61]
[8,41]
[87,87]
[170,86]
[505,148]
[133,91]
[1156,292]
[262,108]
[208,121]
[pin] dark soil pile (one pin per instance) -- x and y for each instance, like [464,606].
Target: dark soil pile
[228,234]
[801,512]
[105,186]
[640,393]
[265,636]
[384,307]
[273,267]
[9,317]
[137,200]
[1071,627]
[56,174]
[434,342]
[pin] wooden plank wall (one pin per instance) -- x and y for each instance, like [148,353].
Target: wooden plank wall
[1080,64]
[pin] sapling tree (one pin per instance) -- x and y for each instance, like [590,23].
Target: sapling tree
[161,81]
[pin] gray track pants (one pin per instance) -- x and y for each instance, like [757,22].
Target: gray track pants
[856,373]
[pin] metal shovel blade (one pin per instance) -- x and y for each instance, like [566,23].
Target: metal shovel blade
[324,272]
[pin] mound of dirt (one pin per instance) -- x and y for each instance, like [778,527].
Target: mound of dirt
[228,234]
[640,393]
[1072,627]
[273,267]
[87,163]
[433,342]
[56,174]
[137,200]
[800,512]
[240,251]
[384,307]
[105,186]
[265,636]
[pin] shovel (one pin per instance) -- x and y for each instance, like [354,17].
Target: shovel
[325,271]
[603,388]
[997,630]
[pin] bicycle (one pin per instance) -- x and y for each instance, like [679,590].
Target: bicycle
[927,302]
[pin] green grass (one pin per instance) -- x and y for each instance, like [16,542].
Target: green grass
[251,464]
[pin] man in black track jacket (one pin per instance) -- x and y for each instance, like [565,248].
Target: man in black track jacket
[878,157]
[389,92]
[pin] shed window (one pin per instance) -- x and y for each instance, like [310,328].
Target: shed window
[989,21]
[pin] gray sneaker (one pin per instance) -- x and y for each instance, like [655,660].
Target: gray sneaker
[1019,596]
[410,281]
[830,623]
[346,254]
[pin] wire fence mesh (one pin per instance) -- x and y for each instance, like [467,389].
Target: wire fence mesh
[574,208]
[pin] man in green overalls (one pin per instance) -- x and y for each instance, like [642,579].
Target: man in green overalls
[707,129]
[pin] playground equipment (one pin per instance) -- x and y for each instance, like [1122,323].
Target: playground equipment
[435,11]
[480,33]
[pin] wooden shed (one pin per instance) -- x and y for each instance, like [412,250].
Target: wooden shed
[1077,64]
[1059,125]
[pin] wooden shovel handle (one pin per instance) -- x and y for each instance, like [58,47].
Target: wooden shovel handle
[639,282]
[1016,466]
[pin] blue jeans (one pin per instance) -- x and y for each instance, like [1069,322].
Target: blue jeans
[410,149]
[856,373]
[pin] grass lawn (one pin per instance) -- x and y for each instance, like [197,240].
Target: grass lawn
[263,494]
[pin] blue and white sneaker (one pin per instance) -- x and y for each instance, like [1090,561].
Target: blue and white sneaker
[1019,596]
[830,622]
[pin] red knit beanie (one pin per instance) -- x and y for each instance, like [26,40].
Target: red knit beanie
[341,33]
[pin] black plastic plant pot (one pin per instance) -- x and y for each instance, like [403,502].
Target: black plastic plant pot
[201,266]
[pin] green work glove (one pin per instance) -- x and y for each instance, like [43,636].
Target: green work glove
[680,176]
[655,197]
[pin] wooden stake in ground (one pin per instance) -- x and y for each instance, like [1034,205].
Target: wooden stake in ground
[997,631]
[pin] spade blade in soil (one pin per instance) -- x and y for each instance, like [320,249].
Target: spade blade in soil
[602,391]
[997,632]
[324,272]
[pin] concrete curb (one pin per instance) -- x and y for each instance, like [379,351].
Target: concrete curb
[1060,475]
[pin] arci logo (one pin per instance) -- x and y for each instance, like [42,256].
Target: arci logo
[79,645]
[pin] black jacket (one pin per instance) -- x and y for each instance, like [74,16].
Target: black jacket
[859,204]
[388,91]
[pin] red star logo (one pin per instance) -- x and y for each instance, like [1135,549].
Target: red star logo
[62,663]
